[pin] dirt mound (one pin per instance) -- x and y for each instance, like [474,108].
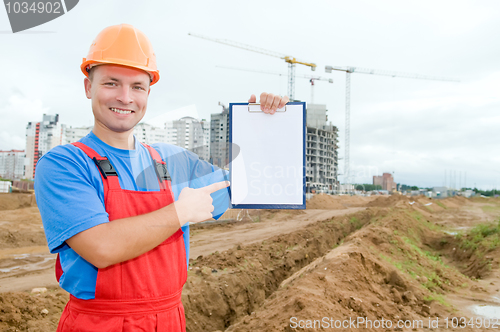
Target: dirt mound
[16,201]
[325,202]
[373,290]
[382,271]
[279,215]
[36,312]
[388,201]
[450,203]
[355,201]
[238,217]
[455,201]
[223,287]
[21,228]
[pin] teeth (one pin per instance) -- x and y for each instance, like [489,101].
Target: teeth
[120,111]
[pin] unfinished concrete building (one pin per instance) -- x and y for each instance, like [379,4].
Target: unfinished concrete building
[321,150]
[219,138]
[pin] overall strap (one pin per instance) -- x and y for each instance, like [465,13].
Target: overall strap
[109,181]
[108,173]
[160,167]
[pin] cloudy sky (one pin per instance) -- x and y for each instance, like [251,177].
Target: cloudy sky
[417,129]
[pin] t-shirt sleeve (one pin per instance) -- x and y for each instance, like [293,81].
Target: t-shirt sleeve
[68,200]
[203,174]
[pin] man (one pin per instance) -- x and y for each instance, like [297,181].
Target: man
[117,211]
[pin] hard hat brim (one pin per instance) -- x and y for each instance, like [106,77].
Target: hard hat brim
[87,64]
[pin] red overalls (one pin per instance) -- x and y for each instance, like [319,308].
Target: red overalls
[141,294]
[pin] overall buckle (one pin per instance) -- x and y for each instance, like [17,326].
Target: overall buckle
[162,171]
[105,167]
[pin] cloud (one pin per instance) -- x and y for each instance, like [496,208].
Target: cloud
[418,138]
[15,115]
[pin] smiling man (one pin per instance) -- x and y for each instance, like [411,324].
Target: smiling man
[117,211]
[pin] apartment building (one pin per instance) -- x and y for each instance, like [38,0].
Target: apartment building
[12,164]
[40,138]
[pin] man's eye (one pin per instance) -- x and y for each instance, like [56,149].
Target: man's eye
[110,83]
[138,87]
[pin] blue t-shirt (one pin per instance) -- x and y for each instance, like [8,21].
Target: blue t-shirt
[70,196]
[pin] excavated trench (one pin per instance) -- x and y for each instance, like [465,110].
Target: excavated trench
[393,262]
[223,287]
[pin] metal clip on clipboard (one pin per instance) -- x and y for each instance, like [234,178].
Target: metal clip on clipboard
[252,104]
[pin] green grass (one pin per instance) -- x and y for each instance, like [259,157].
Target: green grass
[421,219]
[490,208]
[480,240]
[437,297]
[484,236]
[415,269]
[441,204]
[356,222]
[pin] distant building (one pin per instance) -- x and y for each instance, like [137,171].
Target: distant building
[201,147]
[346,188]
[186,132]
[440,192]
[386,181]
[206,137]
[219,138]
[40,138]
[190,134]
[468,193]
[149,134]
[76,134]
[12,164]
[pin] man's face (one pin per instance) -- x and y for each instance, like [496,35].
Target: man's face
[119,96]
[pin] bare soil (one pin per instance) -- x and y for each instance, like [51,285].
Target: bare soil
[344,257]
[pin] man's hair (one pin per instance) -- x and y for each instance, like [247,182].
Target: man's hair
[91,74]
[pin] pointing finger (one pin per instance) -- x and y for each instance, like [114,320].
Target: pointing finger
[216,186]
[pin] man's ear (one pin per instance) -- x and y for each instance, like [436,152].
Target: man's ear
[88,86]
[149,90]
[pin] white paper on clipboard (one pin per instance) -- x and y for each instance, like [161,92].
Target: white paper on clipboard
[269,165]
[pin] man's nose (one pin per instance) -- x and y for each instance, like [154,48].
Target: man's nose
[124,95]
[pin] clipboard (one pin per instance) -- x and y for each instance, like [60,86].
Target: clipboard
[267,154]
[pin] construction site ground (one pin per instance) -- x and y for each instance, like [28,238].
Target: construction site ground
[346,263]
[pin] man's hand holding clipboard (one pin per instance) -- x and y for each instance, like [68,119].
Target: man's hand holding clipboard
[269,103]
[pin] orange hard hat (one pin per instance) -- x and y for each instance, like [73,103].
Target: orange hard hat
[122,45]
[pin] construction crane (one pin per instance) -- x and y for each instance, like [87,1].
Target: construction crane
[288,59]
[349,71]
[311,80]
[309,77]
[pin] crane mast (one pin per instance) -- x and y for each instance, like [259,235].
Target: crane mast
[351,70]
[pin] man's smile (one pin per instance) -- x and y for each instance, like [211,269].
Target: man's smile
[121,110]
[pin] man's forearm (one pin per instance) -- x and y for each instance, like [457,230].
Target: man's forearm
[123,239]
